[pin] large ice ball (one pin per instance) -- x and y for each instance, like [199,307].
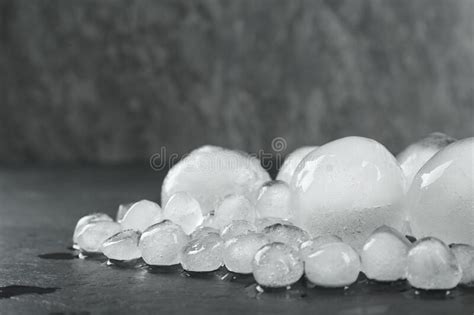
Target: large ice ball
[348,187]
[291,162]
[210,173]
[440,201]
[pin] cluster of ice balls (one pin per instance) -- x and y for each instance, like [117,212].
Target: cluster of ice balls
[332,213]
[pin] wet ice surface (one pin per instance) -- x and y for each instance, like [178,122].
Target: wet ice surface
[82,222]
[274,200]
[384,255]
[122,209]
[203,230]
[287,234]
[183,210]
[202,254]
[262,223]
[232,208]
[161,243]
[348,187]
[122,246]
[236,228]
[432,266]
[240,251]
[417,154]
[440,200]
[313,244]
[92,236]
[333,265]
[465,256]
[141,215]
[210,173]
[291,162]
[277,265]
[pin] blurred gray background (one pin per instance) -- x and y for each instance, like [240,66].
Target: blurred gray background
[114,81]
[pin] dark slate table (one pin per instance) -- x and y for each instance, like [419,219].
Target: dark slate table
[39,274]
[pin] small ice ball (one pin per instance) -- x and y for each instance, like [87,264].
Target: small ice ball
[333,265]
[465,256]
[141,215]
[232,208]
[161,243]
[202,254]
[262,223]
[287,234]
[432,266]
[291,162]
[94,217]
[348,187]
[313,244]
[240,251]
[277,265]
[236,228]
[203,230]
[384,255]
[122,246]
[92,236]
[274,200]
[417,154]
[440,201]
[122,209]
[210,173]
[184,210]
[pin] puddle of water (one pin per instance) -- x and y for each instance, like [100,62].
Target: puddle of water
[16,290]
[58,256]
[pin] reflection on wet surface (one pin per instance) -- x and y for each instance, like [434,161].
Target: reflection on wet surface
[15,290]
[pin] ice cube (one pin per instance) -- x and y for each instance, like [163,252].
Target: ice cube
[440,201]
[210,173]
[432,266]
[287,234]
[384,255]
[91,237]
[465,256]
[348,187]
[291,162]
[333,265]
[232,208]
[141,215]
[203,230]
[184,210]
[94,217]
[161,243]
[313,244]
[240,251]
[122,209]
[262,223]
[122,246]
[417,154]
[203,254]
[274,200]
[277,265]
[236,228]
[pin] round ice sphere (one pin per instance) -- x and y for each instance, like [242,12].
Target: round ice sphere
[232,208]
[277,265]
[465,256]
[203,230]
[236,228]
[184,210]
[333,265]
[274,200]
[92,236]
[432,266]
[262,223]
[122,246]
[202,254]
[287,234]
[161,243]
[141,215]
[417,154]
[348,187]
[310,246]
[440,201]
[122,210]
[240,251]
[384,255]
[94,217]
[210,173]
[291,162]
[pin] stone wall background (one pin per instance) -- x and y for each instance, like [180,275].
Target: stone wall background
[113,81]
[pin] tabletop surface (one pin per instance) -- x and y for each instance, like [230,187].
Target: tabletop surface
[39,274]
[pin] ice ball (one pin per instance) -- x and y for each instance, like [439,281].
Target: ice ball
[291,162]
[465,256]
[432,266]
[122,209]
[348,187]
[287,234]
[274,200]
[92,236]
[184,210]
[122,246]
[277,265]
[236,228]
[240,251]
[141,215]
[202,254]
[262,223]
[232,208]
[90,218]
[313,244]
[203,230]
